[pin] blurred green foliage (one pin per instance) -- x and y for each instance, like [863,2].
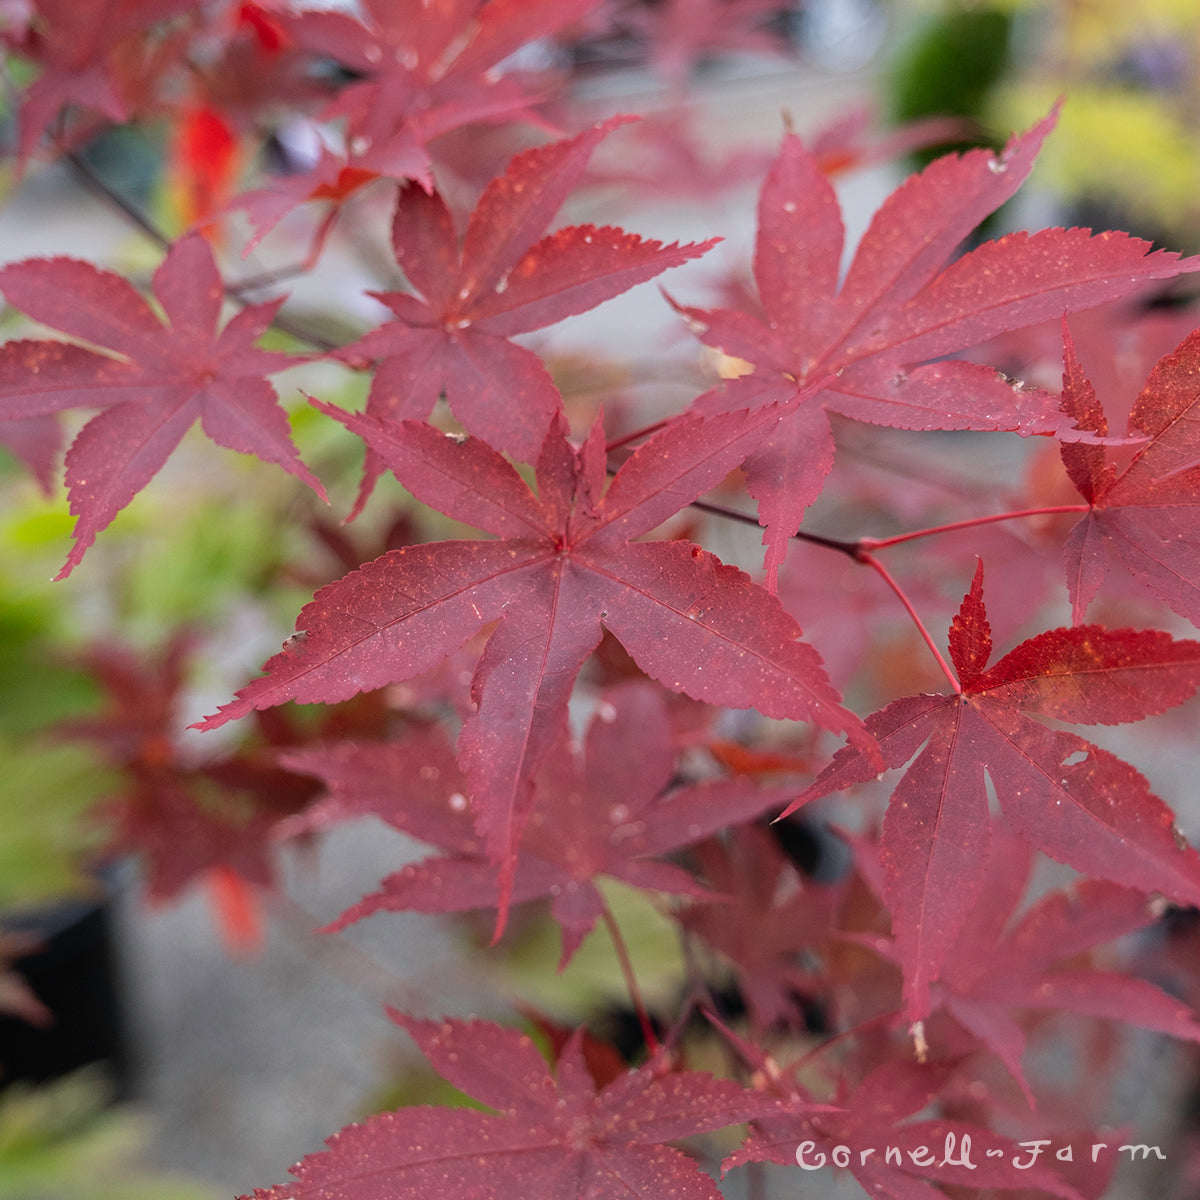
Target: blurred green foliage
[47,796]
[1126,153]
[59,1142]
[950,64]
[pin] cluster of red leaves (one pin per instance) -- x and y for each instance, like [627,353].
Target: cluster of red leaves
[571,599]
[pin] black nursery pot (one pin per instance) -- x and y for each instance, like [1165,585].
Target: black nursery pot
[73,972]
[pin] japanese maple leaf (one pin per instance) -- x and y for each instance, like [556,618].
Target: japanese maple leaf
[891,1156]
[883,335]
[37,442]
[506,279]
[766,918]
[1078,803]
[330,179]
[680,34]
[669,157]
[156,380]
[561,572]
[855,138]
[211,822]
[548,1138]
[76,44]
[1147,515]
[609,814]
[426,69]
[999,964]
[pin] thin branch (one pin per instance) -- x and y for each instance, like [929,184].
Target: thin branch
[873,562]
[868,544]
[272,278]
[801,535]
[794,1067]
[635,992]
[87,175]
[636,435]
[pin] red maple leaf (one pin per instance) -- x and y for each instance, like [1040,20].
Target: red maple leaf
[329,179]
[156,380]
[609,814]
[1077,802]
[679,35]
[1146,516]
[549,1138]
[999,964]
[668,157]
[882,335]
[766,919]
[79,48]
[424,70]
[188,822]
[563,570]
[455,335]
[37,442]
[856,139]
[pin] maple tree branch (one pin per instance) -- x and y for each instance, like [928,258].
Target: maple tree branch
[851,549]
[870,560]
[636,435]
[868,544]
[271,278]
[87,174]
[635,992]
[750,1054]
[801,535]
[882,1019]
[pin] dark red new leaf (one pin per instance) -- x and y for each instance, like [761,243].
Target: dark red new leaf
[881,338]
[563,570]
[157,378]
[549,1138]
[1078,803]
[1147,516]
[454,336]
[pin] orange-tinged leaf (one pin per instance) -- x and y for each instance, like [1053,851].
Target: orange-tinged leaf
[204,160]
[237,910]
